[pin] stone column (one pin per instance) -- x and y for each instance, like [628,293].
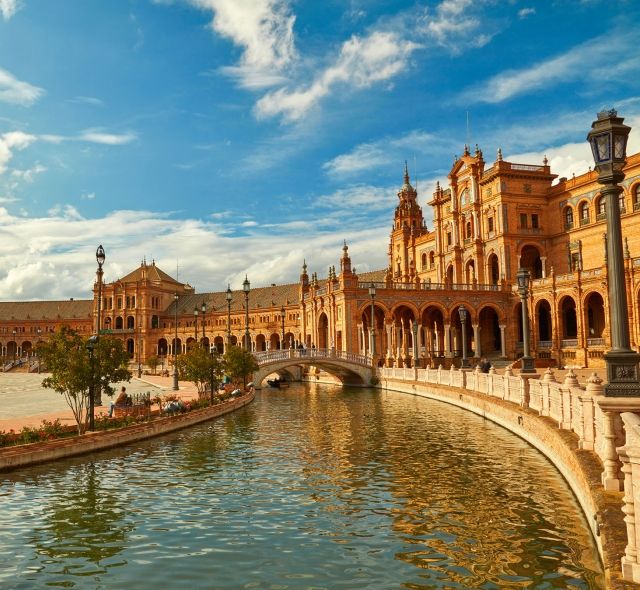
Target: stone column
[447,340]
[476,339]
[503,344]
[543,260]
[436,335]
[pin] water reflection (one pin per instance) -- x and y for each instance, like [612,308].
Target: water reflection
[306,488]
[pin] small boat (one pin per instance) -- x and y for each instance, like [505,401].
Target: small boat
[274,383]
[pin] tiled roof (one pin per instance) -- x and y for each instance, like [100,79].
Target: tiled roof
[45,310]
[376,276]
[149,271]
[274,296]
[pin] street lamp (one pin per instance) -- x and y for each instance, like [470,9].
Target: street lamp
[195,322]
[203,308]
[229,297]
[175,346]
[523,277]
[100,258]
[39,331]
[90,345]
[15,345]
[462,311]
[372,294]
[282,316]
[608,139]
[246,287]
[139,346]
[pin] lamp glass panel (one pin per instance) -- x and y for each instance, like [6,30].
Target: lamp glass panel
[603,145]
[620,144]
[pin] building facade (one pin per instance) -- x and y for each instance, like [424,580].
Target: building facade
[488,222]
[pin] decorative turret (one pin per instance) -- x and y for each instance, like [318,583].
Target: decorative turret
[304,277]
[345,261]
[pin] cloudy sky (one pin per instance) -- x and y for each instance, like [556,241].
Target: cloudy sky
[224,137]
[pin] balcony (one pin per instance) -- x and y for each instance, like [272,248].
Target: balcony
[568,226]
[636,206]
[601,216]
[569,343]
[584,221]
[595,342]
[545,344]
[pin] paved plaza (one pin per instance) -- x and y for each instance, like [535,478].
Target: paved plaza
[24,402]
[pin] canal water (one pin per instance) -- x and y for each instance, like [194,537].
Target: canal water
[310,487]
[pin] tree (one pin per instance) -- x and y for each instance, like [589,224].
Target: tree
[239,363]
[201,367]
[73,373]
[153,362]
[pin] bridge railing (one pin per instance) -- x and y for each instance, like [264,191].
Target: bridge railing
[601,424]
[308,354]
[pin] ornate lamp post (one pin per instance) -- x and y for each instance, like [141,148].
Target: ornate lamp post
[608,139]
[372,294]
[203,309]
[282,311]
[415,344]
[39,331]
[15,344]
[138,347]
[195,322]
[462,311]
[229,298]
[91,344]
[246,287]
[100,258]
[523,277]
[175,346]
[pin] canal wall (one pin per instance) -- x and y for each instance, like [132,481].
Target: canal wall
[90,442]
[566,423]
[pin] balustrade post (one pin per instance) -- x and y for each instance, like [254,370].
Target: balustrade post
[587,432]
[629,455]
[545,390]
[611,476]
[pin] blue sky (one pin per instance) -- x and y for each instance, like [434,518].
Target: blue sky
[227,137]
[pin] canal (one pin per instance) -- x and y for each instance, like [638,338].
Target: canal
[310,487]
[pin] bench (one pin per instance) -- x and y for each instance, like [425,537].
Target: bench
[135,410]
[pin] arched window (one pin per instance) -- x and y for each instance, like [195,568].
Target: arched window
[432,259]
[568,218]
[424,260]
[623,207]
[130,322]
[601,212]
[636,197]
[584,213]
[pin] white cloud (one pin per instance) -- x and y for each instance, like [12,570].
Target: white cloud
[90,100]
[599,53]
[9,142]
[52,257]
[29,175]
[362,62]
[264,29]
[16,91]
[92,136]
[8,8]
[525,12]
[363,197]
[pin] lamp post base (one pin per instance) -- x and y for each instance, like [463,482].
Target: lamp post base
[622,374]
[175,382]
[527,364]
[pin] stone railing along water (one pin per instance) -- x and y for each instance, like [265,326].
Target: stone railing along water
[310,354]
[607,426]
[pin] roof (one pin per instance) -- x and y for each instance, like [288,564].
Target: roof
[46,310]
[149,272]
[375,276]
[274,296]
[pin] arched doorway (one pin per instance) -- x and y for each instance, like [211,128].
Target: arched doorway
[289,340]
[449,277]
[596,320]
[569,320]
[543,320]
[261,343]
[323,331]
[205,343]
[130,347]
[433,331]
[162,347]
[218,344]
[530,260]
[131,323]
[176,346]
[119,323]
[191,343]
[470,271]
[274,342]
[490,340]
[402,335]
[494,269]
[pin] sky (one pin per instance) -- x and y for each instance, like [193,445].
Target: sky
[224,138]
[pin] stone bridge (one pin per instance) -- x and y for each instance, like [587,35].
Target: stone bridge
[350,368]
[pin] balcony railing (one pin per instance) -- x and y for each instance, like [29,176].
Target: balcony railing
[568,225]
[601,216]
[584,221]
[569,343]
[636,206]
[595,342]
[545,344]
[426,286]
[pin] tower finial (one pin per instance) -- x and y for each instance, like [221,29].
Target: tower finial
[499,154]
[406,173]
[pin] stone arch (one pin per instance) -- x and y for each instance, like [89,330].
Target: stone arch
[155,322]
[567,216]
[432,322]
[432,259]
[635,196]
[423,260]
[119,323]
[176,346]
[568,318]
[274,341]
[595,319]
[205,343]
[289,340]
[403,317]
[544,321]
[191,343]
[489,331]
[323,331]
[218,344]
[493,269]
[131,322]
[583,212]
[130,347]
[600,205]
[26,347]
[470,271]
[449,275]
[261,343]
[163,347]
[530,259]
[377,322]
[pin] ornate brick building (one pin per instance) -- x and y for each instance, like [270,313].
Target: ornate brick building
[488,221]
